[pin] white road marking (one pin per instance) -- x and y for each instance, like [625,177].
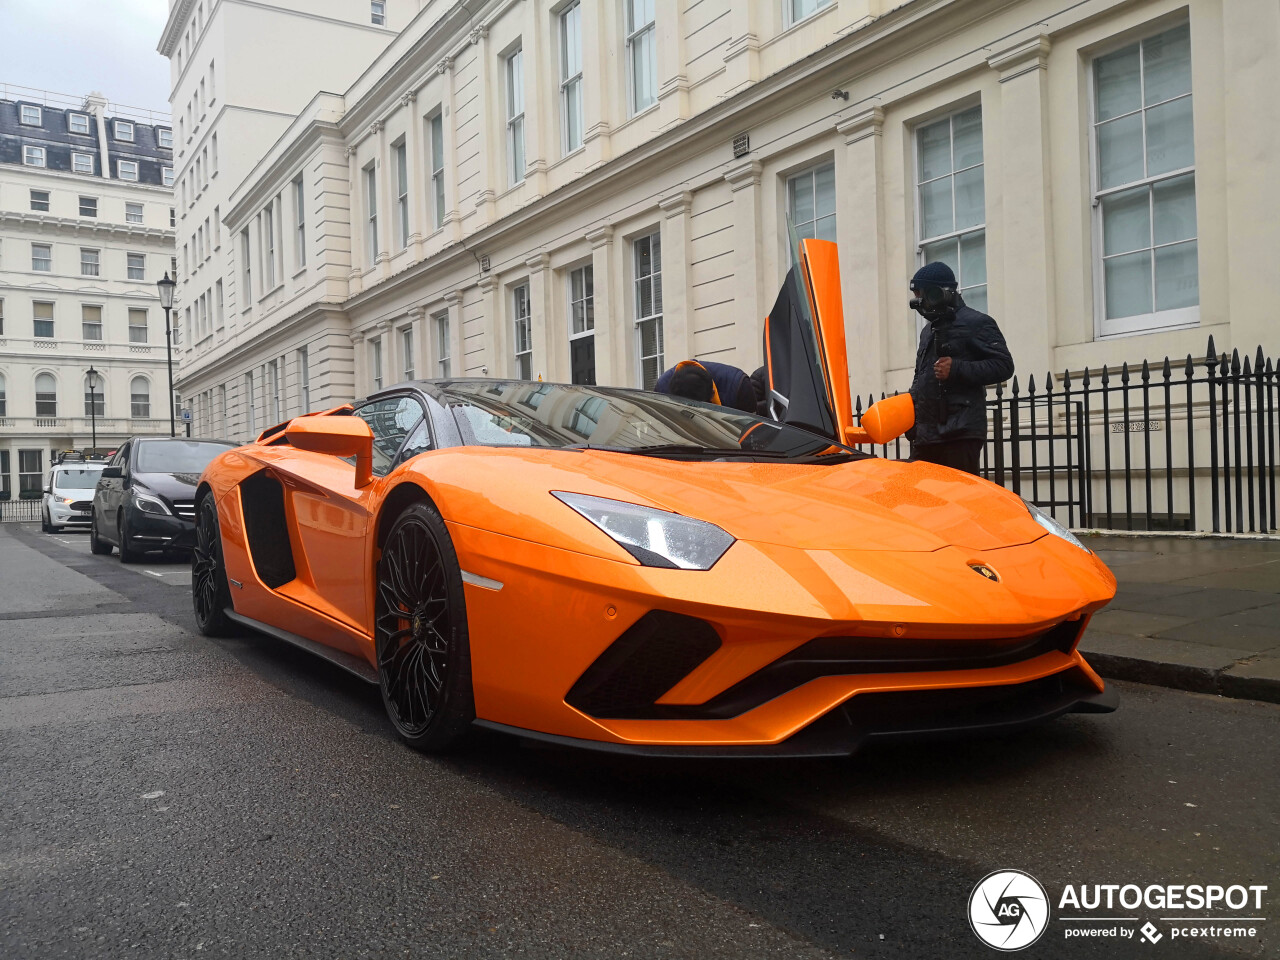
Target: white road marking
[154,574]
[153,795]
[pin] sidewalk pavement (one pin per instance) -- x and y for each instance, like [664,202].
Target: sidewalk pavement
[1200,614]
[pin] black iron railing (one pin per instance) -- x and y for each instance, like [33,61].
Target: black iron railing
[1186,445]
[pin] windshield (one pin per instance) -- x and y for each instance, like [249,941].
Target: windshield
[78,479]
[495,413]
[177,456]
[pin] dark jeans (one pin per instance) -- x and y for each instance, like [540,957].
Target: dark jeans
[963,455]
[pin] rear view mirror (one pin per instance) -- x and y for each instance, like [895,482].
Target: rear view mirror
[338,437]
[884,421]
[111,473]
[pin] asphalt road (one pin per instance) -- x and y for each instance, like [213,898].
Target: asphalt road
[165,795]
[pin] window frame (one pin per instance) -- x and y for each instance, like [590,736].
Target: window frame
[48,259]
[145,326]
[371,211]
[22,115]
[513,68]
[129,214]
[1178,318]
[400,158]
[120,168]
[444,359]
[91,206]
[567,146]
[46,201]
[85,323]
[378,13]
[300,225]
[161,134]
[435,134]
[94,262]
[117,131]
[129,266]
[632,35]
[810,171]
[34,156]
[166,176]
[134,404]
[50,320]
[956,234]
[637,320]
[406,353]
[49,413]
[522,323]
[587,270]
[82,163]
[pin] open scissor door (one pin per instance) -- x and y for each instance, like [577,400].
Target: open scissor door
[805,346]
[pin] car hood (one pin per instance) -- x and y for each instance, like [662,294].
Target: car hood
[868,504]
[174,486]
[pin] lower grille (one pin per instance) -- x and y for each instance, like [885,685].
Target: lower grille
[652,656]
[82,506]
[834,656]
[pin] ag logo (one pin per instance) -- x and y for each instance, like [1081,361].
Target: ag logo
[1008,910]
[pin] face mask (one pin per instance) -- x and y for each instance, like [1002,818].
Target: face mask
[934,302]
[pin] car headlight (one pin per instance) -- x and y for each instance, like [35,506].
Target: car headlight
[1053,526]
[149,504]
[654,537]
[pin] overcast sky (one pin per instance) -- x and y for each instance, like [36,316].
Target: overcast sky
[75,46]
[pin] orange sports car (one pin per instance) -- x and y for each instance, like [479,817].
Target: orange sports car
[636,572]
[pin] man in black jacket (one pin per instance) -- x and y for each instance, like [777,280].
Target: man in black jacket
[961,351]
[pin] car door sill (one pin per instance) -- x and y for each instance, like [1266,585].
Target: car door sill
[340,658]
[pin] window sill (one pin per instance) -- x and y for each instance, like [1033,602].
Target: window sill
[1163,321]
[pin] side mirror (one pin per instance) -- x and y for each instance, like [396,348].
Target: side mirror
[338,437]
[112,473]
[886,420]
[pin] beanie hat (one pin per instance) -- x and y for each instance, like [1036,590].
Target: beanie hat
[937,273]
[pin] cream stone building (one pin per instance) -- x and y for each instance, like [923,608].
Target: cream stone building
[596,189]
[86,230]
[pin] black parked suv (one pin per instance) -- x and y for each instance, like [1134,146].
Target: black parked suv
[144,500]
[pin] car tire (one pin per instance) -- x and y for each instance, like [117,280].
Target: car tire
[96,546]
[127,554]
[44,523]
[420,633]
[210,593]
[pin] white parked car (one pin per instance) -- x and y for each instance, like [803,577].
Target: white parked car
[68,496]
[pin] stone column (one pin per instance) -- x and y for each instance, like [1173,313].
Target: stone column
[609,318]
[860,232]
[492,363]
[600,25]
[384,176]
[750,306]
[540,317]
[457,338]
[1026,235]
[677,311]
[416,161]
[355,281]
[742,55]
[673,80]
[449,125]
[490,122]
[1250,34]
[358,360]
[540,126]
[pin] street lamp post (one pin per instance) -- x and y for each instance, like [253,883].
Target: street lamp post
[93,407]
[165,287]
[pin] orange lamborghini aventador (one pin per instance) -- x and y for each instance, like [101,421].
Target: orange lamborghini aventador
[636,572]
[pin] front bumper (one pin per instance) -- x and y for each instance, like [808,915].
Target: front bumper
[149,531]
[70,514]
[799,653]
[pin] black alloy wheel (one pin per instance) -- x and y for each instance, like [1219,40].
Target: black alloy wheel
[45,526]
[97,545]
[210,593]
[127,554]
[420,633]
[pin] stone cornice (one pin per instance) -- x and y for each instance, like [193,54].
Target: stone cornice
[1023,57]
[868,123]
[599,236]
[172,33]
[95,229]
[677,204]
[538,262]
[745,174]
